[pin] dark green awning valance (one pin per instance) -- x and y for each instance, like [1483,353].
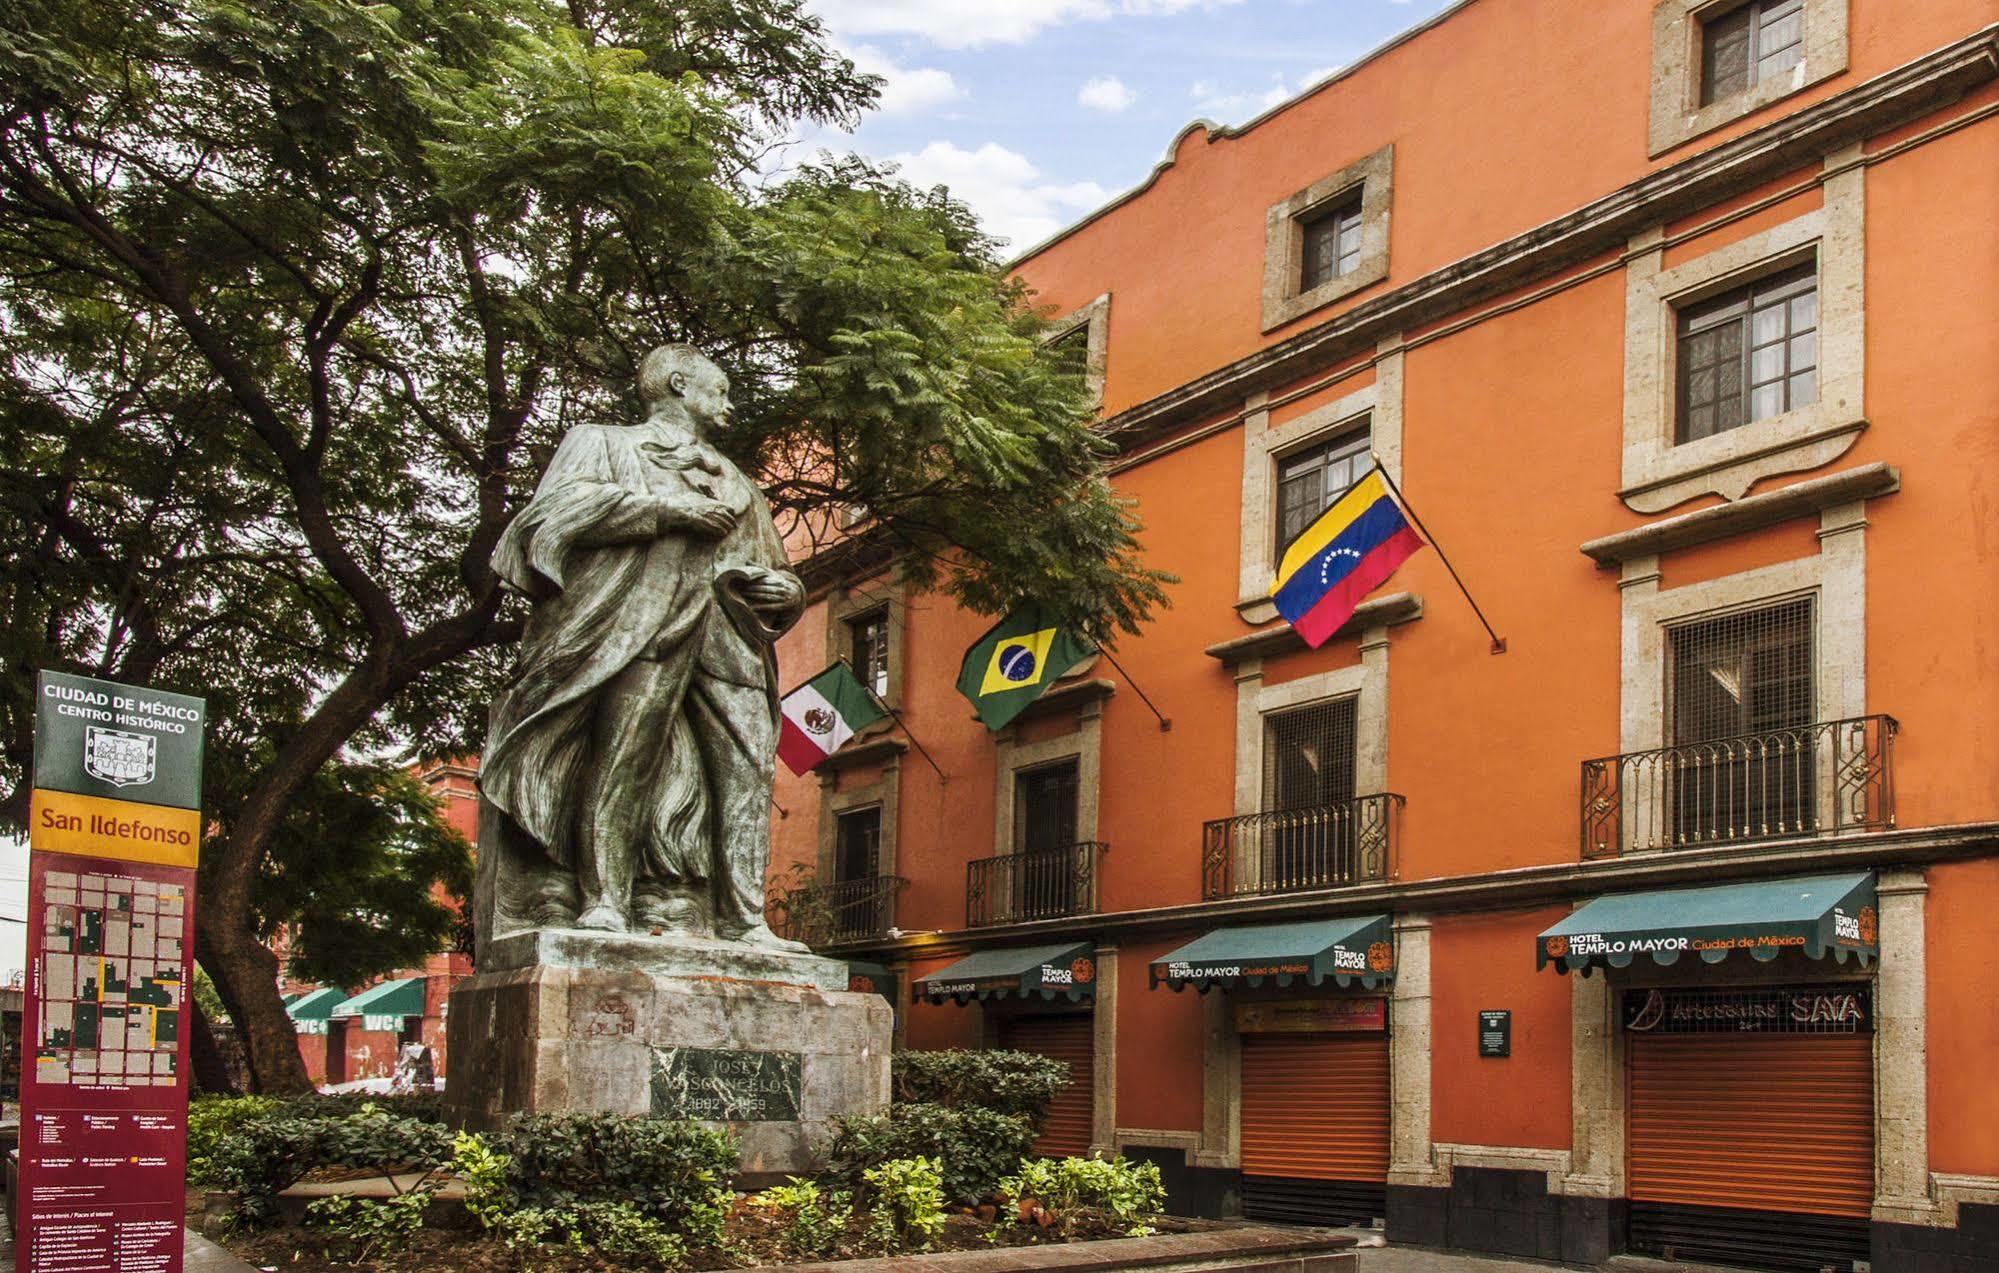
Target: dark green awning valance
[1068,970]
[315,1005]
[390,999]
[1356,948]
[1815,914]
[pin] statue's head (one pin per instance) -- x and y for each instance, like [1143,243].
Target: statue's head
[682,377]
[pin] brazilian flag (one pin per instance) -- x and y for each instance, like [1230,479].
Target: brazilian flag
[1018,658]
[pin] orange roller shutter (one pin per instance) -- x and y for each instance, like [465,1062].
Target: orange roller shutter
[1315,1106]
[1071,1040]
[1764,1122]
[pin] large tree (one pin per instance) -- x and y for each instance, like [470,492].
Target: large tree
[295,296]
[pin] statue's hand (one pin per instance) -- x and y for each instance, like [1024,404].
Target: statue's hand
[709,518]
[772,591]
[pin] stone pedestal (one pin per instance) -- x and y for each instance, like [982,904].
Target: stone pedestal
[767,1044]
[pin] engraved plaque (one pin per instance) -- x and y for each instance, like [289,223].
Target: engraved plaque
[716,1085]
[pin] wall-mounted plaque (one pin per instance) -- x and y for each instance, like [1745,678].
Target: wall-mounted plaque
[714,1085]
[1495,1032]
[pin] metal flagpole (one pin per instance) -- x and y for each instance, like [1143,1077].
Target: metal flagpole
[897,718]
[1165,723]
[1498,641]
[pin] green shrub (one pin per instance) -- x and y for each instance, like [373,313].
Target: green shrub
[907,1199]
[977,1147]
[210,1118]
[1020,1083]
[616,1230]
[1128,1191]
[816,1221]
[263,1157]
[365,1227]
[484,1172]
[671,1171]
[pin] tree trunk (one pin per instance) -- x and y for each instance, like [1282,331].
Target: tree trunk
[211,1073]
[246,975]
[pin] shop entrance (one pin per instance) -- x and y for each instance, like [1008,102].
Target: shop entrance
[1314,1110]
[1071,1039]
[1750,1137]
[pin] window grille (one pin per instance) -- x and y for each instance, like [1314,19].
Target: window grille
[1310,480]
[1741,698]
[857,844]
[868,636]
[1749,354]
[1308,756]
[1332,245]
[1748,45]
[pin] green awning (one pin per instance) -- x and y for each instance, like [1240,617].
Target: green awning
[315,1005]
[390,999]
[1068,969]
[1816,914]
[870,978]
[295,995]
[1356,948]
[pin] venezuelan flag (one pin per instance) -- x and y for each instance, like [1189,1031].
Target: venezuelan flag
[1340,558]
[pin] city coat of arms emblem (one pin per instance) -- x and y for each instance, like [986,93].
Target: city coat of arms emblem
[116,757]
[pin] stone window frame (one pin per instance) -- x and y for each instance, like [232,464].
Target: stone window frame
[1659,472]
[1096,318]
[1835,577]
[1284,298]
[843,606]
[883,792]
[1366,682]
[1084,744]
[1677,115]
[1263,446]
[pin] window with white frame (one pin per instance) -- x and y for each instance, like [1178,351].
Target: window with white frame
[1749,45]
[1309,480]
[1749,354]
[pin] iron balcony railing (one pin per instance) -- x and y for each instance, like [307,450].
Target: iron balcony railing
[1015,887]
[1292,850]
[1827,778]
[830,914]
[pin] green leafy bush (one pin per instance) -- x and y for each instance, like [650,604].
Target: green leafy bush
[483,1170]
[977,1147]
[1019,1083]
[210,1118]
[1128,1191]
[674,1172]
[364,1228]
[817,1220]
[616,1230]
[907,1199]
[263,1157]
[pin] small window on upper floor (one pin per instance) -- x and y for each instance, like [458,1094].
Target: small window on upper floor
[857,844]
[1749,354]
[1308,481]
[1045,815]
[1750,44]
[1332,244]
[867,636]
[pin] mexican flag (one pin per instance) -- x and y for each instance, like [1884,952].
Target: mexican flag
[1018,657]
[823,713]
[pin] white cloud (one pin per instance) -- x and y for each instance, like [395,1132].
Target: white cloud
[1105,93]
[1212,102]
[1013,200]
[963,23]
[906,90]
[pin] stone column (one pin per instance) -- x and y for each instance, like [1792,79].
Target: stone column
[1596,1090]
[1221,1084]
[1103,1062]
[1411,1157]
[1901,1056]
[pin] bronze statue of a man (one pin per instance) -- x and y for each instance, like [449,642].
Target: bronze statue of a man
[631,756]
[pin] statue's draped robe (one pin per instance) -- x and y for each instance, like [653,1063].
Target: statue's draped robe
[610,589]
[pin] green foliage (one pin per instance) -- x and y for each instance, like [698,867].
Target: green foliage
[210,1119]
[976,1147]
[673,1172]
[366,1227]
[263,1157]
[484,1173]
[907,1198]
[1128,1191]
[1021,1083]
[817,1221]
[616,1230]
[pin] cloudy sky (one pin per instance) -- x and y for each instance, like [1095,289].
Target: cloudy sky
[1037,111]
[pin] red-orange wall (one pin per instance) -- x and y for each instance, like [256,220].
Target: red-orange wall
[1486,962]
[1963,941]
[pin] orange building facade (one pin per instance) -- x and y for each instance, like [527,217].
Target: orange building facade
[1668,928]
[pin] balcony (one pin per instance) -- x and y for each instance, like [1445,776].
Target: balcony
[1016,887]
[838,913]
[1295,850]
[1829,778]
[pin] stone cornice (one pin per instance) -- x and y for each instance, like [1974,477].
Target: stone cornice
[1755,158]
[1523,887]
[1799,499]
[872,752]
[1282,638]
